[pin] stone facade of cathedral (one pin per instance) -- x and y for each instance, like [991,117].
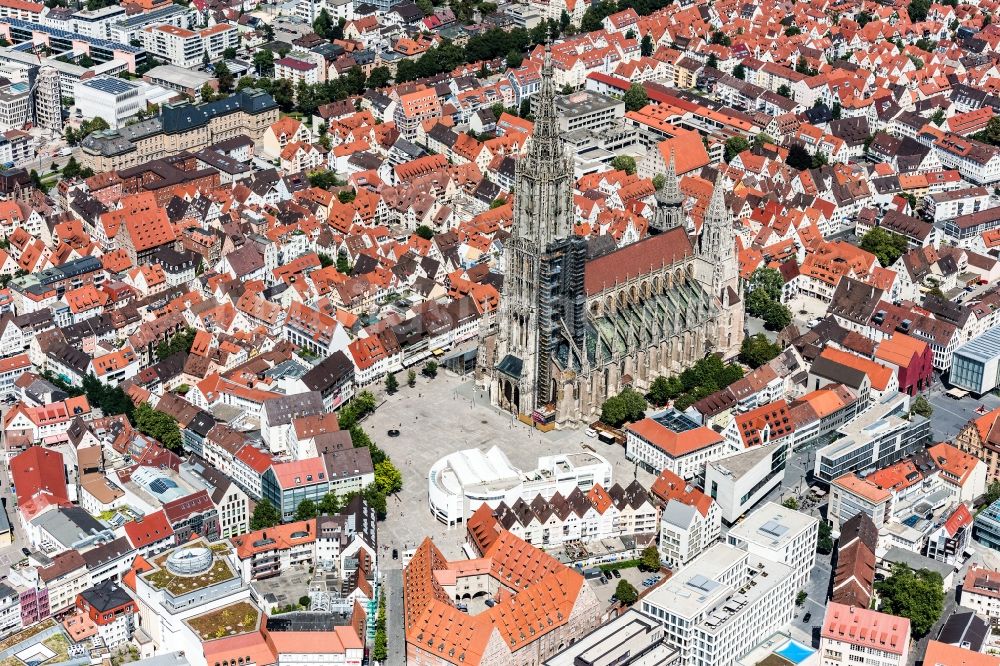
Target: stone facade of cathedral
[576,326]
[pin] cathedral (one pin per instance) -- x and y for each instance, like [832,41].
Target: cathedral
[577,323]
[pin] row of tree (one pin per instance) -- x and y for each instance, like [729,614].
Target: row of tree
[763,299]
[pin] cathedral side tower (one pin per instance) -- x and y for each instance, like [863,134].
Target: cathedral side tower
[669,202]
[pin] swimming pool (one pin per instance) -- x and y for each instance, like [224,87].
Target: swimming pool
[795,652]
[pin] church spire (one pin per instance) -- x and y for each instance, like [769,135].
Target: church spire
[670,193]
[545,142]
[669,202]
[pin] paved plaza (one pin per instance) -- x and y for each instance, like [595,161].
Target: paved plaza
[447,414]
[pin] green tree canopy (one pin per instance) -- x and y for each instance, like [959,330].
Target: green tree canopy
[917,595]
[424,232]
[160,426]
[734,146]
[391,383]
[305,510]
[922,407]
[757,350]
[885,245]
[798,157]
[649,559]
[768,280]
[627,406]
[264,515]
[626,593]
[624,163]
[636,97]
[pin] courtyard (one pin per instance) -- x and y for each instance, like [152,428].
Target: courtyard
[448,414]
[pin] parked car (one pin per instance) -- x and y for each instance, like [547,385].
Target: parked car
[616,573]
[590,432]
[807,617]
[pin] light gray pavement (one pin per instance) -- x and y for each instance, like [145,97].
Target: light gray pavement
[444,415]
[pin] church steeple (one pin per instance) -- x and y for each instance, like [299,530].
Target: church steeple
[543,179]
[669,201]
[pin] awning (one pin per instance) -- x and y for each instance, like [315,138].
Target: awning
[956,393]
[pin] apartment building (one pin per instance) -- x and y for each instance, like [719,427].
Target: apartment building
[690,521]
[188,48]
[723,602]
[858,635]
[981,592]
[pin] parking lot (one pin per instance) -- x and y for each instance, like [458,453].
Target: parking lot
[447,414]
[951,415]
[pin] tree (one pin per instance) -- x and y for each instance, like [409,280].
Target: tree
[917,595]
[388,478]
[514,59]
[379,78]
[659,391]
[991,134]
[837,111]
[712,61]
[761,140]
[922,407]
[229,53]
[426,6]
[801,597]
[649,559]
[798,157]
[938,117]
[305,510]
[863,18]
[430,369]
[323,24]
[793,30]
[757,350]
[264,515]
[721,38]
[784,91]
[224,77]
[636,97]
[824,544]
[207,93]
[263,62]
[344,264]
[391,383]
[160,426]
[768,280]
[304,601]
[734,146]
[424,232]
[791,503]
[917,9]
[627,406]
[411,378]
[626,593]
[885,245]
[646,46]
[35,179]
[624,163]
[72,168]
[329,504]
[777,316]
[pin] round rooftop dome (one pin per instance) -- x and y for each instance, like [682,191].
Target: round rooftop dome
[190,561]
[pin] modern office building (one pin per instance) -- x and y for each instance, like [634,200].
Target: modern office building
[15,106]
[725,601]
[587,110]
[986,528]
[674,441]
[884,434]
[111,98]
[781,534]
[630,639]
[975,366]
[739,481]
